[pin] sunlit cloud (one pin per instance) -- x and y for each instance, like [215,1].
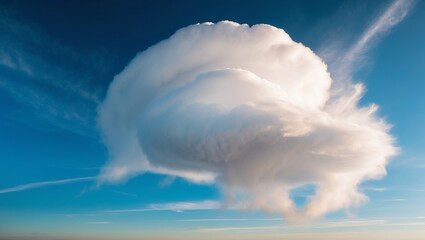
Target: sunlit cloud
[246,108]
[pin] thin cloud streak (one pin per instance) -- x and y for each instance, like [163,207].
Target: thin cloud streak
[45,184]
[394,200]
[125,193]
[177,207]
[225,229]
[98,223]
[229,219]
[375,189]
[324,225]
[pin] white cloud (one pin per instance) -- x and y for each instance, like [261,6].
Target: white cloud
[246,108]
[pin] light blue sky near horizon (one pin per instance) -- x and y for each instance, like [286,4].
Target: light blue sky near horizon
[60,70]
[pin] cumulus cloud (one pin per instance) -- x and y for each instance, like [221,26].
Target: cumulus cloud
[246,108]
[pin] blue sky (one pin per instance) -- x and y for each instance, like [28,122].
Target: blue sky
[57,60]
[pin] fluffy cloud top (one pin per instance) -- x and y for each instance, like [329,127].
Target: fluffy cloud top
[246,108]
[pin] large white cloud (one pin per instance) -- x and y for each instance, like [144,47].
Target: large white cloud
[246,108]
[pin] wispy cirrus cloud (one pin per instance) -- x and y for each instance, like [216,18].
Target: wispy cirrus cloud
[46,184]
[56,82]
[344,63]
